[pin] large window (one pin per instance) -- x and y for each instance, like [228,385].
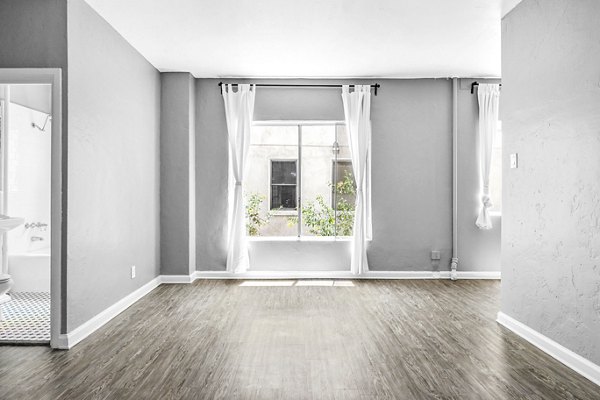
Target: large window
[300,180]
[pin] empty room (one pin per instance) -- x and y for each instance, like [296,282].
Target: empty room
[334,199]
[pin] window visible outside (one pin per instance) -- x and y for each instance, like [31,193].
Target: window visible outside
[496,172]
[284,180]
[299,181]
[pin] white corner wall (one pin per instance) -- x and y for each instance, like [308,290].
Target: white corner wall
[113,167]
[550,107]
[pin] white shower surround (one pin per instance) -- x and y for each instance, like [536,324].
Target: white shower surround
[28,184]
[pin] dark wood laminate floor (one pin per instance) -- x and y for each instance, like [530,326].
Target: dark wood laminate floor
[378,339]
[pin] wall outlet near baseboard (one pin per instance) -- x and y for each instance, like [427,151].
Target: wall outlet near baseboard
[435,255]
[132,271]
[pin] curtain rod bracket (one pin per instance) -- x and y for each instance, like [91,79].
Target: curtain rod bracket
[473,86]
[477,84]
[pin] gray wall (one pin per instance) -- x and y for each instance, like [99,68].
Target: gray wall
[211,174]
[114,107]
[177,195]
[33,33]
[550,108]
[412,174]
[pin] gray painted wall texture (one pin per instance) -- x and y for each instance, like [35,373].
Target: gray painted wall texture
[114,99]
[33,34]
[412,169]
[176,180]
[550,107]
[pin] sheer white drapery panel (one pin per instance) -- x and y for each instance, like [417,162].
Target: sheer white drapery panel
[488,96]
[357,113]
[239,110]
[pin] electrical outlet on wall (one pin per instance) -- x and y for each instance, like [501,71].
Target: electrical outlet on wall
[435,261]
[132,271]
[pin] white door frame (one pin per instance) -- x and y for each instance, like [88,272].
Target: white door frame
[52,76]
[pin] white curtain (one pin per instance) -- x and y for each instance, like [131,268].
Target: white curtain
[357,112]
[488,96]
[239,109]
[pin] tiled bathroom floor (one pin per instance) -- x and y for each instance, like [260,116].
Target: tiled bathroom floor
[26,318]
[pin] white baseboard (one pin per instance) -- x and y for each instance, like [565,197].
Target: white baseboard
[344,275]
[479,274]
[274,275]
[167,279]
[572,360]
[68,340]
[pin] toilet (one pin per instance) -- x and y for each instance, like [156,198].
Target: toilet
[5,285]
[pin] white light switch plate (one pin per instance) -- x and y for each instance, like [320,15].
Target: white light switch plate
[514,160]
[132,271]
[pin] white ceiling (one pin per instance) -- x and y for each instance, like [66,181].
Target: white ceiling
[314,38]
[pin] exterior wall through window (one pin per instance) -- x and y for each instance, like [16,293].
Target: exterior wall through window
[300,181]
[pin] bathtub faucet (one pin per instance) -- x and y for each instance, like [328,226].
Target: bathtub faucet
[31,225]
[36,239]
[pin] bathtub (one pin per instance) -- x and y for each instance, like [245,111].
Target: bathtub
[30,271]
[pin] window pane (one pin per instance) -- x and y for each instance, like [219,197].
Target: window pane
[283,197]
[326,211]
[318,135]
[318,218]
[283,172]
[344,190]
[271,144]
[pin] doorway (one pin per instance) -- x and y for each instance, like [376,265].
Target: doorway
[31,206]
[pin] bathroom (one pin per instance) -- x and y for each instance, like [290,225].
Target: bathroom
[25,182]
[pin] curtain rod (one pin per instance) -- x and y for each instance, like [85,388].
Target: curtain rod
[476,84]
[375,86]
